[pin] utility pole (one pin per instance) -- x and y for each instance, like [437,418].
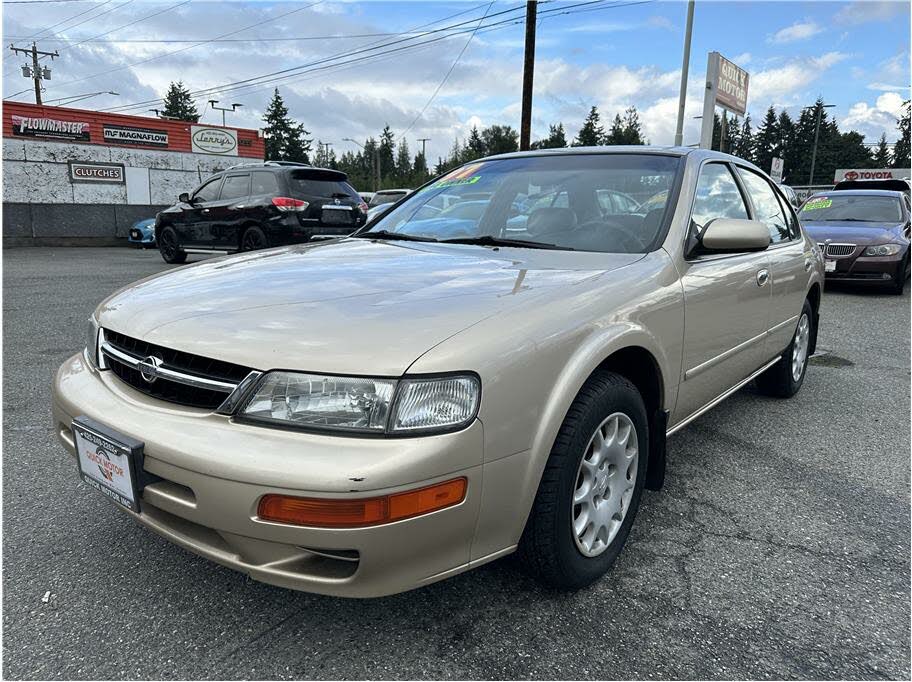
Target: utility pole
[35,72]
[525,126]
[423,141]
[685,65]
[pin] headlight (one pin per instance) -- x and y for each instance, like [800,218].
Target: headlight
[364,405]
[91,348]
[882,250]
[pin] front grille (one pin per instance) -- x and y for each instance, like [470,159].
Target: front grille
[185,363]
[840,249]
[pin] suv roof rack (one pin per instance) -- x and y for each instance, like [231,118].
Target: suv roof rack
[268,163]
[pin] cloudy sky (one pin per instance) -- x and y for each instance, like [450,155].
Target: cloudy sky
[347,68]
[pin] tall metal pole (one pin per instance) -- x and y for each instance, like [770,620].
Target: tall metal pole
[423,141]
[685,65]
[525,126]
[814,152]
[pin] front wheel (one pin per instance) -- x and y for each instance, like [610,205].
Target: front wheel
[169,247]
[783,379]
[591,487]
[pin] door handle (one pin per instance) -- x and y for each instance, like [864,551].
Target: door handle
[205,210]
[762,277]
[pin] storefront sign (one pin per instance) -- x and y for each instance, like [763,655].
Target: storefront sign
[96,172]
[868,174]
[141,136]
[205,140]
[731,86]
[51,128]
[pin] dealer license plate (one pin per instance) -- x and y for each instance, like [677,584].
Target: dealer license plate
[336,216]
[829,266]
[107,461]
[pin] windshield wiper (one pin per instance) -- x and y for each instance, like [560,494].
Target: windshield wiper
[489,240]
[404,236]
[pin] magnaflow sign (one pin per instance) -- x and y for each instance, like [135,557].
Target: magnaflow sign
[870,174]
[28,126]
[96,172]
[731,86]
[149,137]
[213,140]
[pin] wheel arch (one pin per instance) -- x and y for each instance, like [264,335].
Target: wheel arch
[813,297]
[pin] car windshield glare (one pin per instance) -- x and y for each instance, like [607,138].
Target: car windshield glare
[851,207]
[613,203]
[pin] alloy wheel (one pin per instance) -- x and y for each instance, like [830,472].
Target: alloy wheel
[800,346]
[252,241]
[604,484]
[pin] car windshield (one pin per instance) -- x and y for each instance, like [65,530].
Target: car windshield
[851,207]
[585,202]
[385,198]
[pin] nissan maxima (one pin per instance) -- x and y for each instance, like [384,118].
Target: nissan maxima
[372,414]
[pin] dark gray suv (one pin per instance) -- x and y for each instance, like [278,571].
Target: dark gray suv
[257,205]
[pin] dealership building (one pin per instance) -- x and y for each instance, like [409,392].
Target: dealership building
[79,176]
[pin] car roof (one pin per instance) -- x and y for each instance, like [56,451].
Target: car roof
[391,191]
[861,192]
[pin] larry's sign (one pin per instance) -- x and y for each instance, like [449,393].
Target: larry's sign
[205,140]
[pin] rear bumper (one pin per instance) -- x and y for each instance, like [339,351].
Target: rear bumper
[214,472]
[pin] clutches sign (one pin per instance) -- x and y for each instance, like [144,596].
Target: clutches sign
[28,126]
[96,172]
[205,140]
[140,136]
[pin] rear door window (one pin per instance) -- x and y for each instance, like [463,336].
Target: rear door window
[264,182]
[236,186]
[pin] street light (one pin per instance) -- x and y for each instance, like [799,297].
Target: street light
[213,102]
[76,98]
[376,162]
[819,109]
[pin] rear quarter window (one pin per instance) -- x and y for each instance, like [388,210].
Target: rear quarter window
[323,185]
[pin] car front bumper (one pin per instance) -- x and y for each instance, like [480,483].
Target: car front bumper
[214,471]
[135,236]
[875,269]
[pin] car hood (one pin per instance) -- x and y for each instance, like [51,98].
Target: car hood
[851,232]
[350,306]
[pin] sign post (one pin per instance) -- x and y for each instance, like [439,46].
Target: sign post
[776,170]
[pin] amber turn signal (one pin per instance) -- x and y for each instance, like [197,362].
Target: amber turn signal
[354,513]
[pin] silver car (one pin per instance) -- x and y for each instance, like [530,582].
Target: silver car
[369,415]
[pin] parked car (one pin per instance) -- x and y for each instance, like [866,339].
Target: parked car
[791,195]
[142,233]
[891,184]
[387,196]
[257,205]
[366,197]
[372,414]
[864,235]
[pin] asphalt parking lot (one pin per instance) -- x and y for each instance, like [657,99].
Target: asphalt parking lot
[779,547]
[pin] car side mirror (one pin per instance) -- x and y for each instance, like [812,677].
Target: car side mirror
[733,235]
[184,198]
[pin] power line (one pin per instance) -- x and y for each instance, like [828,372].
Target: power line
[168,41]
[35,72]
[130,23]
[447,74]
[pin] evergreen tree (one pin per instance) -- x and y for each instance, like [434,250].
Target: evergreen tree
[474,148]
[767,140]
[852,153]
[591,134]
[556,138]
[744,146]
[285,139]
[420,169]
[178,104]
[403,165]
[499,139]
[632,132]
[615,134]
[787,149]
[387,152]
[882,153]
[901,151]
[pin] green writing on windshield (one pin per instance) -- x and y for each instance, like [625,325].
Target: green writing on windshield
[817,203]
[457,181]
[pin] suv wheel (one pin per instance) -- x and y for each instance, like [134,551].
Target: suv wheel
[169,247]
[591,487]
[254,238]
[783,379]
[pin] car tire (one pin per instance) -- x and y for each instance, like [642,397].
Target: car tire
[898,285]
[169,247]
[254,239]
[784,379]
[569,545]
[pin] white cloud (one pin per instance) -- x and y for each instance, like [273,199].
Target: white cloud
[800,30]
[774,86]
[743,59]
[863,11]
[873,119]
